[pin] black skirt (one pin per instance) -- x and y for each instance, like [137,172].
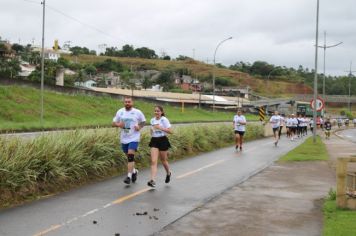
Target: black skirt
[162,143]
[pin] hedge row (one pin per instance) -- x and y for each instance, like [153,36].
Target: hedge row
[57,162]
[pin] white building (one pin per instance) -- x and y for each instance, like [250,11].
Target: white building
[26,69]
[86,84]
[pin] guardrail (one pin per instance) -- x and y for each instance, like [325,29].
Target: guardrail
[346,184]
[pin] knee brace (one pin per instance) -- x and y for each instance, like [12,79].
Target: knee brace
[130,157]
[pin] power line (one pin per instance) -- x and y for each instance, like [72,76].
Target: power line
[76,20]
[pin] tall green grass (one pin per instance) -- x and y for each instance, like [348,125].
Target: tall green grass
[20,110]
[56,162]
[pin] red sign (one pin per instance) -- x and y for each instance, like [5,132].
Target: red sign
[319,104]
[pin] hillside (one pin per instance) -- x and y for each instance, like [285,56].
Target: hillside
[20,110]
[273,88]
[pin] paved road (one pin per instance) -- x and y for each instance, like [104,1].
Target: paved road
[349,134]
[109,208]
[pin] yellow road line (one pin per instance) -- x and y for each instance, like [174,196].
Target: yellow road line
[52,228]
[132,195]
[200,169]
[127,197]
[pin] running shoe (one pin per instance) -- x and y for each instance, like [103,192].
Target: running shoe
[151,183]
[127,180]
[275,144]
[237,147]
[168,178]
[134,176]
[241,148]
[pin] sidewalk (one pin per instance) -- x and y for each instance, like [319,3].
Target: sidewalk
[284,199]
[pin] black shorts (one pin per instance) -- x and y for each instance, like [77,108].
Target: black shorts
[275,130]
[241,133]
[162,143]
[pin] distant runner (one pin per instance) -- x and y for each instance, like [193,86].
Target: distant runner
[354,121]
[160,127]
[327,126]
[239,123]
[276,123]
[282,123]
[131,121]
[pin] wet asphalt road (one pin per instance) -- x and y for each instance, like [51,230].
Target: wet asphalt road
[111,208]
[348,134]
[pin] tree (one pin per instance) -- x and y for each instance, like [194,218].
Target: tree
[109,65]
[146,82]
[90,69]
[145,52]
[128,51]
[17,48]
[183,58]
[166,80]
[261,68]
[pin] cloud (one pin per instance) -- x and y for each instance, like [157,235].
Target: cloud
[281,32]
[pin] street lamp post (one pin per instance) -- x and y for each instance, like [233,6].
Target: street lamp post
[350,75]
[316,71]
[269,74]
[325,47]
[214,69]
[42,59]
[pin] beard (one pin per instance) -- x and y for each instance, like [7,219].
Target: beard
[128,107]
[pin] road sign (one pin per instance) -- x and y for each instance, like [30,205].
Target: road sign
[261,112]
[319,104]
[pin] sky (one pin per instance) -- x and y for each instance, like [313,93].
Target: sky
[280,32]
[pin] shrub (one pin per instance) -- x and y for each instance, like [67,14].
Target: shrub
[57,162]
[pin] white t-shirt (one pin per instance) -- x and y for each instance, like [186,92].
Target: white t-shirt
[130,118]
[239,127]
[275,121]
[293,122]
[163,122]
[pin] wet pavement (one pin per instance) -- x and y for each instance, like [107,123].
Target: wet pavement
[111,208]
[284,199]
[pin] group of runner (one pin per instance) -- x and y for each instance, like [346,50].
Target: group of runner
[296,127]
[131,121]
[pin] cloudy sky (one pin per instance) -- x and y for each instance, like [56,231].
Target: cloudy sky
[281,32]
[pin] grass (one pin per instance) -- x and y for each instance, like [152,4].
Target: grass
[20,110]
[338,222]
[308,151]
[57,162]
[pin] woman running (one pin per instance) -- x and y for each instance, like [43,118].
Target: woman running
[239,123]
[160,127]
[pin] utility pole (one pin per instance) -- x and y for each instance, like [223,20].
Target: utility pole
[316,71]
[350,75]
[42,59]
[325,47]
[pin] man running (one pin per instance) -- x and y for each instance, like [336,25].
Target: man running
[276,123]
[239,123]
[131,121]
[327,125]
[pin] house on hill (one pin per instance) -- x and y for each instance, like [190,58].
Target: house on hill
[186,83]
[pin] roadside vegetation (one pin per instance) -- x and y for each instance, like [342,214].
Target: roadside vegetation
[58,162]
[338,222]
[307,151]
[20,110]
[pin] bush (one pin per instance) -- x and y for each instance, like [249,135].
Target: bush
[57,162]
